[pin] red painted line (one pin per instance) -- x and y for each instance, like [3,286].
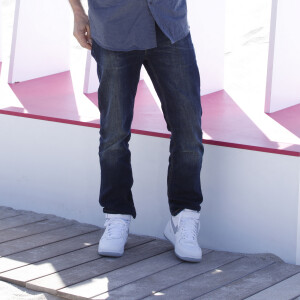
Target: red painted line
[154,134]
[50,119]
[252,148]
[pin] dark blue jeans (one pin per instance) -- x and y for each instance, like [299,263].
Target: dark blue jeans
[174,72]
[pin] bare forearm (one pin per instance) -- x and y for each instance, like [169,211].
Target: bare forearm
[77,7]
[81,24]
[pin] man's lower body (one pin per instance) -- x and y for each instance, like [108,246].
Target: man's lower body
[174,72]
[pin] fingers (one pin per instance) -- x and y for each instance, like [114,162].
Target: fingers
[82,40]
[88,30]
[83,35]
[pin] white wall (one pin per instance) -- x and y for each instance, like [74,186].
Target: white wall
[251,199]
[283,80]
[1,35]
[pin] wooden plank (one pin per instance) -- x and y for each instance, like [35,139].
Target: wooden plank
[28,256]
[97,267]
[77,251]
[174,275]
[6,212]
[13,292]
[6,208]
[122,276]
[253,283]
[31,229]
[286,289]
[214,279]
[45,238]
[45,252]
[20,220]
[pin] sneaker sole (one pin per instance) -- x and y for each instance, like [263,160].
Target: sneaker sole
[110,254]
[189,259]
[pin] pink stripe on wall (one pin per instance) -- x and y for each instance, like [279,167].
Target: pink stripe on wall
[52,98]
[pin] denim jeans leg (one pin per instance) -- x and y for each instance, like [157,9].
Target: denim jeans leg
[118,74]
[174,72]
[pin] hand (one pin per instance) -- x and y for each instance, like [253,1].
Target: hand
[82,30]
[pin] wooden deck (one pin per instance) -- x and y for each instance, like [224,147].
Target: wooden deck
[58,256]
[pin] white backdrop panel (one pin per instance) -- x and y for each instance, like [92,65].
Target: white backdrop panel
[1,35]
[91,82]
[207,22]
[283,80]
[41,39]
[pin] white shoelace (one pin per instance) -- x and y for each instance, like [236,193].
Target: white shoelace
[115,228]
[188,229]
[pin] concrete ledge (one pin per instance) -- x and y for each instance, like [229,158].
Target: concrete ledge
[251,199]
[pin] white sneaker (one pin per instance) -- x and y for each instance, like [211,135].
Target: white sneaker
[182,231]
[115,235]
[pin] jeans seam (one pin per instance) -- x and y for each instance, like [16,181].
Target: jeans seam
[162,93]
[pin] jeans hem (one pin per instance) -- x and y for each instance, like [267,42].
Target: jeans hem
[177,211]
[108,211]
